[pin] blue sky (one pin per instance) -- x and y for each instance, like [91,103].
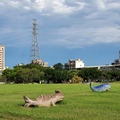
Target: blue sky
[67,29]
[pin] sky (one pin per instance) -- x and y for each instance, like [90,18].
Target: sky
[67,29]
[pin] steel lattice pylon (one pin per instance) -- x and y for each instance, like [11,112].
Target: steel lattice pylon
[34,52]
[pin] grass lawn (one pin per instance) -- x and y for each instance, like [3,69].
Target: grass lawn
[80,102]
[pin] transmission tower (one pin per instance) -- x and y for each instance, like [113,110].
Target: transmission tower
[34,52]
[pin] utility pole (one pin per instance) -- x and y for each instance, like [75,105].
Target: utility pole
[34,52]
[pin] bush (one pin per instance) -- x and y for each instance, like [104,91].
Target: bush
[76,79]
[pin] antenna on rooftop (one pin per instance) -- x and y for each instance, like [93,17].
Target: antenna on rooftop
[34,52]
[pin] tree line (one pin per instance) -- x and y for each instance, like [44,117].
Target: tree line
[35,73]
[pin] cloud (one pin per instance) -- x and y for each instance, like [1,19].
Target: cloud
[101,4]
[46,6]
[77,37]
[114,6]
[65,23]
[64,8]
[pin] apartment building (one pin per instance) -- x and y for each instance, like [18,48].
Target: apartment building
[2,57]
[44,64]
[74,64]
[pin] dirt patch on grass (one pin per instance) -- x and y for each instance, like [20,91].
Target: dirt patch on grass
[4,116]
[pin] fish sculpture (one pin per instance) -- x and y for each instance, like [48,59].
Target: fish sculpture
[100,88]
[44,100]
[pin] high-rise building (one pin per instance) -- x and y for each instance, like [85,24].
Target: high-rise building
[2,57]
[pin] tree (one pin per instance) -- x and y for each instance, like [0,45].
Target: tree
[36,75]
[57,76]
[73,73]
[26,75]
[49,72]
[22,75]
[65,76]
[9,74]
[90,74]
[58,66]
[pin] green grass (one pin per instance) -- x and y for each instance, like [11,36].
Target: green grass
[80,103]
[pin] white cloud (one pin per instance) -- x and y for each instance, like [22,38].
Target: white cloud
[84,37]
[70,23]
[14,3]
[27,8]
[101,4]
[46,6]
[114,6]
[62,7]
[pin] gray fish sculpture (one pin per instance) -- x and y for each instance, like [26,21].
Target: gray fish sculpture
[44,100]
[100,88]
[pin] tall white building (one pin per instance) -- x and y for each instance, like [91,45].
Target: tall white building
[2,57]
